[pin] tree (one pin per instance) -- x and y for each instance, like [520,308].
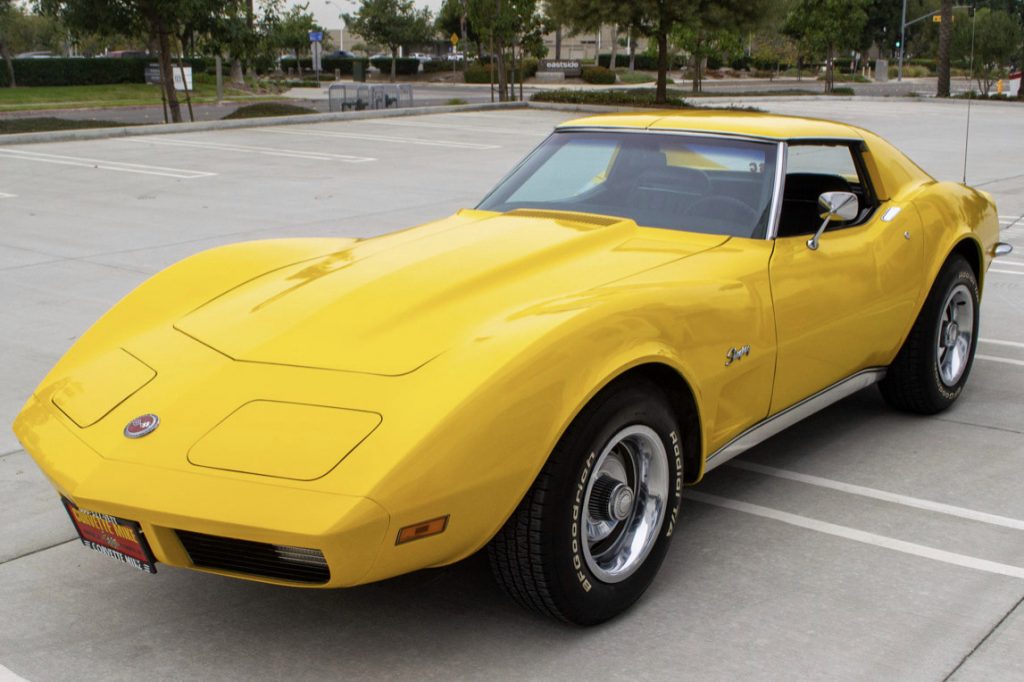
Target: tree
[658,19]
[945,38]
[702,41]
[158,20]
[7,12]
[453,18]
[996,42]
[287,31]
[393,23]
[822,27]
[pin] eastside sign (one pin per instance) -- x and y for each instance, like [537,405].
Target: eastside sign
[569,67]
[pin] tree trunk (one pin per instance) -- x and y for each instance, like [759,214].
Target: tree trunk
[10,65]
[945,38]
[499,53]
[167,71]
[558,42]
[828,70]
[237,78]
[697,63]
[661,94]
[632,50]
[394,64]
[615,46]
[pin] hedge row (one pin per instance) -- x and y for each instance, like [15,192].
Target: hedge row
[404,66]
[439,66]
[598,75]
[643,62]
[329,64]
[635,97]
[481,73]
[84,71]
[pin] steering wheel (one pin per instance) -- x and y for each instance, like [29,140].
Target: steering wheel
[731,211]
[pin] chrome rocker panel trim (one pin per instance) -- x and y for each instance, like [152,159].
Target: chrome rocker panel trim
[762,431]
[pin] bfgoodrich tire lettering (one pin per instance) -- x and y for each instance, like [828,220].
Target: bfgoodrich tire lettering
[590,535]
[932,367]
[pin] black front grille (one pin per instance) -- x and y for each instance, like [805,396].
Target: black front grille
[256,558]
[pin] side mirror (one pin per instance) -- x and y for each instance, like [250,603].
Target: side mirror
[834,206]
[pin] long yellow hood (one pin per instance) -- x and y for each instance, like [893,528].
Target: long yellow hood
[389,305]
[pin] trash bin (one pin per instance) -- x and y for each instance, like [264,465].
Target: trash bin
[359,70]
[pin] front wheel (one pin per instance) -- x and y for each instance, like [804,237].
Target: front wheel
[590,535]
[931,369]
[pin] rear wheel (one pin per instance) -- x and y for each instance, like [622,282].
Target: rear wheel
[591,533]
[931,369]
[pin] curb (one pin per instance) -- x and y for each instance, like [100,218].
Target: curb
[199,126]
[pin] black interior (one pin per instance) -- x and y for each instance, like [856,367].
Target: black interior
[800,212]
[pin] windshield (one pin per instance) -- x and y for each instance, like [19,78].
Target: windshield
[680,182]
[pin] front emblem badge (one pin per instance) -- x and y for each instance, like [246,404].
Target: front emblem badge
[141,426]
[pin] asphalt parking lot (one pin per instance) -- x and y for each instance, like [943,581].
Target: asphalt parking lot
[860,544]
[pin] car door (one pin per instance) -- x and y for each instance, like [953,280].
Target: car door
[846,305]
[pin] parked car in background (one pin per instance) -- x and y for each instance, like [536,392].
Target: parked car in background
[125,54]
[341,54]
[35,55]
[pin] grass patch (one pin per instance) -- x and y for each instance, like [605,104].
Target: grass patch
[636,77]
[114,95]
[46,124]
[454,101]
[638,97]
[264,109]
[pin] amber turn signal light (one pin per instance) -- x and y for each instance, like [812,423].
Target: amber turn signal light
[423,529]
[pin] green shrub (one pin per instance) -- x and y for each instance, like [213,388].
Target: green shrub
[843,91]
[329,64]
[643,62]
[620,98]
[439,66]
[404,66]
[598,75]
[85,71]
[480,72]
[264,109]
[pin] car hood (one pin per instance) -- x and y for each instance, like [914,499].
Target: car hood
[389,305]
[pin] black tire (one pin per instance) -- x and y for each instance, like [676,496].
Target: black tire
[542,558]
[917,380]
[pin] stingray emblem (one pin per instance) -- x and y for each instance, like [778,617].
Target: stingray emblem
[141,426]
[735,354]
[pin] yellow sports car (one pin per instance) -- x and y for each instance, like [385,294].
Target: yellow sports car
[642,298]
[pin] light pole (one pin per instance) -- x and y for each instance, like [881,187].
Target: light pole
[341,18]
[903,40]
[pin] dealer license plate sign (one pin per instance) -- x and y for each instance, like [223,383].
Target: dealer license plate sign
[116,538]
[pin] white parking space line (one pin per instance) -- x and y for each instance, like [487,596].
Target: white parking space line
[1005,272]
[381,138]
[246,149]
[5,195]
[6,675]
[993,358]
[1000,342]
[1011,263]
[118,166]
[906,501]
[859,535]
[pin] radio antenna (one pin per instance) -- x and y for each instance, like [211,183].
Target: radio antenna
[970,93]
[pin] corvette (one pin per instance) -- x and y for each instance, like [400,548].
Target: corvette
[642,298]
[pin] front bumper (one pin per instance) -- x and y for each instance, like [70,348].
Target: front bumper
[348,530]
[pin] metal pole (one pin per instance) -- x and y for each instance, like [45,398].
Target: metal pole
[903,40]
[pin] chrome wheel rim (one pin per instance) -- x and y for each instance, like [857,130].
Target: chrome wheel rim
[955,335]
[626,498]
